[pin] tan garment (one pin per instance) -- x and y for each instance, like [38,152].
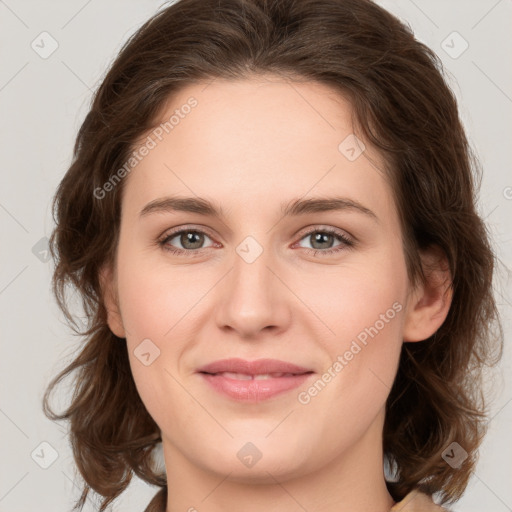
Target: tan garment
[417,501]
[159,501]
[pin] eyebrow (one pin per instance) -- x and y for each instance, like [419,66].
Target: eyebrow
[294,208]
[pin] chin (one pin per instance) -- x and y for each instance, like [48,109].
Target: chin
[263,472]
[259,461]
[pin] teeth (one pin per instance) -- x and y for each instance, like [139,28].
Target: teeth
[261,376]
[238,376]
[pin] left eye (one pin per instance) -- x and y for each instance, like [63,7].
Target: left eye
[321,239]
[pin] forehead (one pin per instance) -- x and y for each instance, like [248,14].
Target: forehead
[255,140]
[240,115]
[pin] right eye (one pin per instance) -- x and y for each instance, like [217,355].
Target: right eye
[190,240]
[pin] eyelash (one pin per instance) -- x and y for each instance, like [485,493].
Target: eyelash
[347,243]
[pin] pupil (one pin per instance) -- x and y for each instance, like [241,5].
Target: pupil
[188,238]
[321,238]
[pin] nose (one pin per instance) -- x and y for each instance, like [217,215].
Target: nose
[253,298]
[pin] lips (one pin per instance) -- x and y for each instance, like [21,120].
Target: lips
[258,376]
[253,381]
[258,367]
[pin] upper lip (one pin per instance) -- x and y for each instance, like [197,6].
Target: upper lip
[258,367]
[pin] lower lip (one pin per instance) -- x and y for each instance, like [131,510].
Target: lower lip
[254,390]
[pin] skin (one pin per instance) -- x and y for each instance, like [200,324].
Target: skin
[248,146]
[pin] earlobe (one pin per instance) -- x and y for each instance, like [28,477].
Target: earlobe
[429,303]
[111,302]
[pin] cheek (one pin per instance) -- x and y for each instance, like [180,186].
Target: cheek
[363,306]
[159,307]
[155,300]
[354,299]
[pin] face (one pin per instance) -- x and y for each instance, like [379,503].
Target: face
[278,273]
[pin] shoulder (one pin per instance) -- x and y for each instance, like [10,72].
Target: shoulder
[417,501]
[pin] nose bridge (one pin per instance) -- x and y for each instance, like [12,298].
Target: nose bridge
[251,280]
[251,273]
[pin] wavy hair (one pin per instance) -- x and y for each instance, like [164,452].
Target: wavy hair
[402,105]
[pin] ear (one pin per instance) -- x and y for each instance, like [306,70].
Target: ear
[429,303]
[111,301]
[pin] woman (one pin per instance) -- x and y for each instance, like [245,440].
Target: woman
[227,144]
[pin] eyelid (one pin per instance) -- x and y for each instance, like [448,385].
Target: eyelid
[186,227]
[313,228]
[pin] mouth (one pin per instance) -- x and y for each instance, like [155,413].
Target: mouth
[253,381]
[257,376]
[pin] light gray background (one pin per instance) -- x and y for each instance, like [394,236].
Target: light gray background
[43,102]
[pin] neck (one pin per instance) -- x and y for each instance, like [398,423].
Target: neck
[353,481]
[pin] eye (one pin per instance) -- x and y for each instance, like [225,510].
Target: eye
[191,241]
[322,240]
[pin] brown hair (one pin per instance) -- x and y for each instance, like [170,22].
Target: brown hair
[402,105]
